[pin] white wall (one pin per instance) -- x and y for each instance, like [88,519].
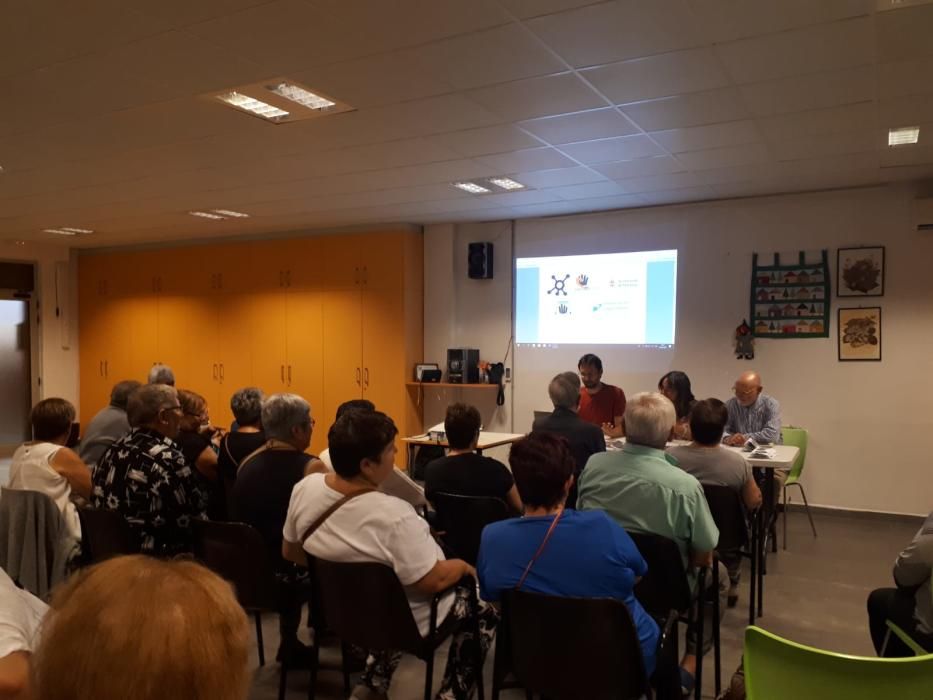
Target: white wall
[867,420]
[56,364]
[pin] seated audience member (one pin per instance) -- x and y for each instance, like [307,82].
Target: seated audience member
[109,425]
[752,414]
[600,404]
[161,374]
[195,435]
[676,387]
[44,464]
[707,460]
[351,405]
[369,526]
[585,439]
[645,493]
[462,471]
[144,476]
[137,627]
[260,498]
[246,406]
[21,615]
[910,605]
[585,554]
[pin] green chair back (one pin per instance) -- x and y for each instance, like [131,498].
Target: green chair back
[778,669]
[798,437]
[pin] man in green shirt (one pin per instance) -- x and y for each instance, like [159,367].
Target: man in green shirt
[643,490]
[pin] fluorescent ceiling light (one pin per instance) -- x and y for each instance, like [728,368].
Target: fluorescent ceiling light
[71,229]
[207,215]
[471,187]
[903,136]
[506,183]
[305,98]
[232,214]
[60,231]
[253,106]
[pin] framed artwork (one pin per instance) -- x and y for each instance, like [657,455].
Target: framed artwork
[790,299]
[860,272]
[860,334]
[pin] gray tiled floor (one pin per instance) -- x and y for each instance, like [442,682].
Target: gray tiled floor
[814,593]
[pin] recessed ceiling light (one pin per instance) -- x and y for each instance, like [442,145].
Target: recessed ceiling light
[60,231]
[471,187]
[506,183]
[71,229]
[253,106]
[207,215]
[232,214]
[903,136]
[305,98]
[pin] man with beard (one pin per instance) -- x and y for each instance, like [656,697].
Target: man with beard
[600,404]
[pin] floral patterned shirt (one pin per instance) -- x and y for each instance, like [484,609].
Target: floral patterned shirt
[144,477]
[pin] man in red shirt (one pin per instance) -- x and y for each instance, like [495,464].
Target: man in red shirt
[600,404]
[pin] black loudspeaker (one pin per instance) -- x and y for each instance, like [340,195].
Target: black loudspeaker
[479,261]
[463,365]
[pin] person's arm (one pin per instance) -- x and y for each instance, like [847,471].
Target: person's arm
[700,559]
[69,465]
[751,494]
[446,573]
[514,500]
[316,466]
[705,534]
[771,431]
[206,464]
[294,552]
[914,564]
[14,676]
[614,430]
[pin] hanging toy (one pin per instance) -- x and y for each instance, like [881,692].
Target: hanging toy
[744,342]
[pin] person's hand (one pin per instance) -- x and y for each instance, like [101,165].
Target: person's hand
[613,431]
[470,570]
[736,440]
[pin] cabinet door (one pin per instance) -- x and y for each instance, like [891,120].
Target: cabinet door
[267,318]
[338,265]
[304,374]
[186,342]
[342,349]
[96,336]
[382,260]
[384,372]
[234,353]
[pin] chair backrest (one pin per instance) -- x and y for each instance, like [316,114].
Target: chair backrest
[365,604]
[779,669]
[574,647]
[462,519]
[725,504]
[664,587]
[797,437]
[33,540]
[236,552]
[105,534]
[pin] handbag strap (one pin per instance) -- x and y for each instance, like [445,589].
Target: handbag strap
[329,512]
[541,547]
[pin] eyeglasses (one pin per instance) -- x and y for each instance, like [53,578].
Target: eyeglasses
[744,392]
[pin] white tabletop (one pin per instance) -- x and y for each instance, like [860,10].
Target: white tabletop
[784,455]
[486,440]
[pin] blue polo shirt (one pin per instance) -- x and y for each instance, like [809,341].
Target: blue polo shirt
[588,556]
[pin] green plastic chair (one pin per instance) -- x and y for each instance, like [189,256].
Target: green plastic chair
[778,669]
[798,437]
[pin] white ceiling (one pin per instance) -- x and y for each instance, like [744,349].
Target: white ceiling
[594,105]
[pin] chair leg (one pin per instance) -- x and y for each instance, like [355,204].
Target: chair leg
[807,506]
[345,666]
[753,578]
[429,676]
[283,672]
[315,659]
[717,650]
[259,644]
[784,498]
[698,676]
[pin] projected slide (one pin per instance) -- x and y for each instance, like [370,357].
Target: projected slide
[607,299]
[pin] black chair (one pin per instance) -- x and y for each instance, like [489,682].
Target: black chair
[665,587]
[236,552]
[547,637]
[105,534]
[461,519]
[365,604]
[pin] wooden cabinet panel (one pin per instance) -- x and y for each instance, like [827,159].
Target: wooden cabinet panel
[305,359]
[382,261]
[266,313]
[342,349]
[234,351]
[338,263]
[383,356]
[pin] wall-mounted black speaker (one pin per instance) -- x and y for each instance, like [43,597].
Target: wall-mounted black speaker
[479,261]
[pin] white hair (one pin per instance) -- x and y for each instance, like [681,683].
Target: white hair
[564,393]
[649,418]
[161,374]
[281,413]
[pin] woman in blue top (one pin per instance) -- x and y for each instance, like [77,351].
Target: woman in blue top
[587,555]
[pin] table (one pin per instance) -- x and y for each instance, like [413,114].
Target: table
[487,440]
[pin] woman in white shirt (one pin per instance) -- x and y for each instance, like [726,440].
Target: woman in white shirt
[44,464]
[377,527]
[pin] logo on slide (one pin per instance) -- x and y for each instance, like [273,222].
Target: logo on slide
[562,309]
[582,281]
[559,286]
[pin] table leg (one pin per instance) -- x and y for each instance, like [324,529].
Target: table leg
[753,580]
[764,527]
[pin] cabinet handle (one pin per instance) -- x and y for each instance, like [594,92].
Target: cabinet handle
[101,368]
[215,372]
[288,278]
[221,371]
[282,374]
[366,378]
[358,382]
[365,275]
[289,375]
[106,368]
[356,275]
[281,278]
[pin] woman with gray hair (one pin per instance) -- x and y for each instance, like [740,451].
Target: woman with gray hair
[246,438]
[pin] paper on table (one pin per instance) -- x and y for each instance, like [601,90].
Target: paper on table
[764,453]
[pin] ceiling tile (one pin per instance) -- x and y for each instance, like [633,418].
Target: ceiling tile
[814,91]
[497,55]
[838,143]
[180,13]
[661,183]
[619,148]
[532,159]
[904,78]
[699,193]
[589,190]
[564,177]
[569,128]
[643,167]
[615,31]
[663,75]
[501,138]
[906,111]
[538,97]
[725,157]
[809,50]
[697,138]
[904,33]
[818,121]
[695,109]
[525,9]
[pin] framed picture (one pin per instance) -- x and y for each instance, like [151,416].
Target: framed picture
[860,272]
[860,334]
